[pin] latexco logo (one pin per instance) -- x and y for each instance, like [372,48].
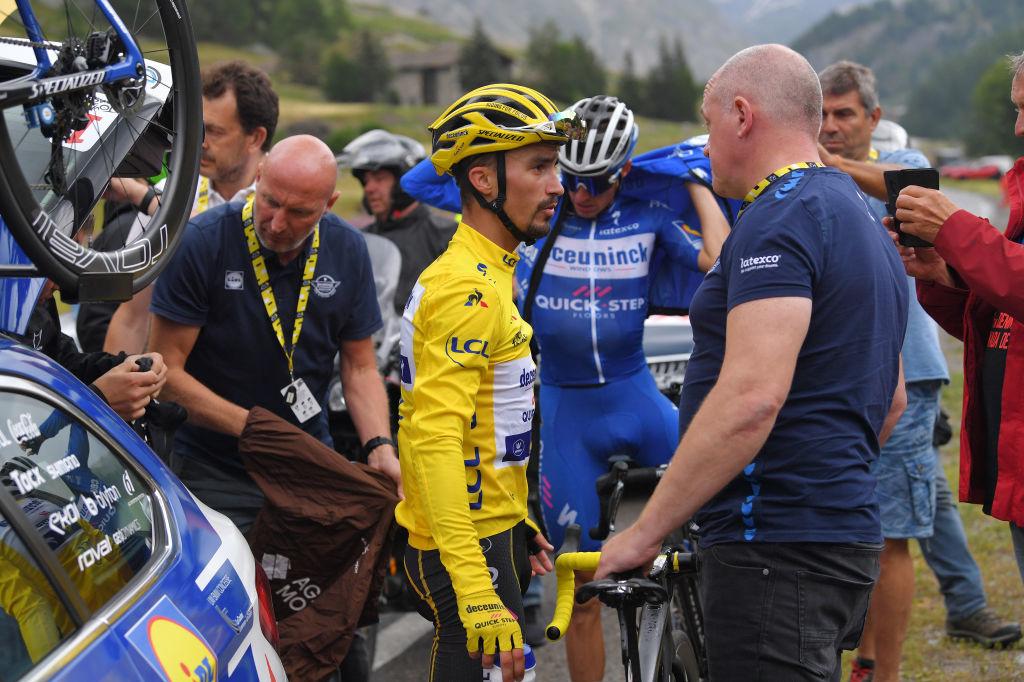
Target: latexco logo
[759,262]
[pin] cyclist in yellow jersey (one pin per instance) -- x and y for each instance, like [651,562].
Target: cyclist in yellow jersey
[467,383]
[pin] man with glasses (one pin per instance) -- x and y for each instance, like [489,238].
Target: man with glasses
[586,293]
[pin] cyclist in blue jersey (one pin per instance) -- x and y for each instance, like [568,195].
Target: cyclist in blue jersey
[587,304]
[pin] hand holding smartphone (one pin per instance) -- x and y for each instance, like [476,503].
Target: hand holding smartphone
[895,181]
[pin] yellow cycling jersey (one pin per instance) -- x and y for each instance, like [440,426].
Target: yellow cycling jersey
[467,406]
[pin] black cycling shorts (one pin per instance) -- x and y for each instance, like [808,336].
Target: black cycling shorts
[508,560]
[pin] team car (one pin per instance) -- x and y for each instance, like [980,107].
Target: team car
[109,567]
[106,560]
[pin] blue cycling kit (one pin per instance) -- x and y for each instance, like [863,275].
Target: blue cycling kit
[581,428]
[589,309]
[588,319]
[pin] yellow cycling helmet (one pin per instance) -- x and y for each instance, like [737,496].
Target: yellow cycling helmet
[496,118]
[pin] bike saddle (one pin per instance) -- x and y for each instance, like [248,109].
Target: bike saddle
[619,593]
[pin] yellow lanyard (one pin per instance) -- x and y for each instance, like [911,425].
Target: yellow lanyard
[259,267]
[772,177]
[872,154]
[203,195]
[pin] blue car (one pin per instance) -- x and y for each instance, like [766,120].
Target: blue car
[108,565]
[109,568]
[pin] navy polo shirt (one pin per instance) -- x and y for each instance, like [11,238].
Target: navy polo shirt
[210,284]
[810,234]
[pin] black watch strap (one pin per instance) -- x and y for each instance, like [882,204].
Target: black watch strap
[375,443]
[151,193]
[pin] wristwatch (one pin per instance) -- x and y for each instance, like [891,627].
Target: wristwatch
[151,193]
[375,443]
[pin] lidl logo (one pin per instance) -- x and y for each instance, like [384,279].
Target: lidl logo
[173,646]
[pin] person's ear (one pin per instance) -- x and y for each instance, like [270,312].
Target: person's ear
[330,202]
[875,117]
[482,179]
[257,138]
[744,116]
[628,166]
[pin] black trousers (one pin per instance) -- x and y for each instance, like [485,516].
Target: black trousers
[784,611]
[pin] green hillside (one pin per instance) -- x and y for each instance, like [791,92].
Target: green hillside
[905,42]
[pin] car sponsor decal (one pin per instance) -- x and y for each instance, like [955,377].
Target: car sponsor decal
[172,645]
[227,595]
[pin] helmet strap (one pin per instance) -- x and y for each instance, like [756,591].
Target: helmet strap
[498,205]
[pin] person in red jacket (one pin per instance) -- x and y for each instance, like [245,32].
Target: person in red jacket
[972,284]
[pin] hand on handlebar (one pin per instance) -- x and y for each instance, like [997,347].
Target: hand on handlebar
[626,551]
[491,628]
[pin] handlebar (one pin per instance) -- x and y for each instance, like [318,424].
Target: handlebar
[610,488]
[617,591]
[565,565]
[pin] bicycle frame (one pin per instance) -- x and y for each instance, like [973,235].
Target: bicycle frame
[35,87]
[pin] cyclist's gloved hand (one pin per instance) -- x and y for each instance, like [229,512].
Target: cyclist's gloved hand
[532,531]
[538,546]
[490,626]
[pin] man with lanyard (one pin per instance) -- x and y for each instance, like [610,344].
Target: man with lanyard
[252,311]
[467,383]
[240,111]
[793,382]
[585,291]
[378,159]
[914,497]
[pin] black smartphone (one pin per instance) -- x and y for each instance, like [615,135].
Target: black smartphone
[895,181]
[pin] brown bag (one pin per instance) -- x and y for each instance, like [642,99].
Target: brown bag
[321,538]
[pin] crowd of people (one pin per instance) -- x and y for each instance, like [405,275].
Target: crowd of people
[804,442]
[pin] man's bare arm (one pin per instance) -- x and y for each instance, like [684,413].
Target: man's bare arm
[899,404]
[868,176]
[367,403]
[205,408]
[714,228]
[129,326]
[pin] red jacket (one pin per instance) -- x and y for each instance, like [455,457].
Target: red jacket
[991,268]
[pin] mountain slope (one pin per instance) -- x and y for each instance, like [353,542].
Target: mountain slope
[904,41]
[610,28]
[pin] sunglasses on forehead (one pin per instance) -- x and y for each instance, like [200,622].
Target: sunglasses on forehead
[567,124]
[594,184]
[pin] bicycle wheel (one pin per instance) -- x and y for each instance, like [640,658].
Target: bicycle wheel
[687,625]
[685,667]
[126,129]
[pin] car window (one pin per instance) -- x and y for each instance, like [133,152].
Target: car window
[90,508]
[33,620]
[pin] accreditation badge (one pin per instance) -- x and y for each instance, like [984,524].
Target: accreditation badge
[298,397]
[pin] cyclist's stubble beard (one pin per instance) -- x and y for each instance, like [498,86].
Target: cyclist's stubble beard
[540,224]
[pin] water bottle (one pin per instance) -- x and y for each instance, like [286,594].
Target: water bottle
[494,674]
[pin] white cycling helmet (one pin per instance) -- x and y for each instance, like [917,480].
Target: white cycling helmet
[612,133]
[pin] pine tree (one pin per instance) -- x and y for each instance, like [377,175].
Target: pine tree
[480,62]
[631,89]
[565,70]
[365,76]
[671,91]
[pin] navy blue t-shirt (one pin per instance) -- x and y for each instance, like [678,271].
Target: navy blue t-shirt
[210,284]
[810,234]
